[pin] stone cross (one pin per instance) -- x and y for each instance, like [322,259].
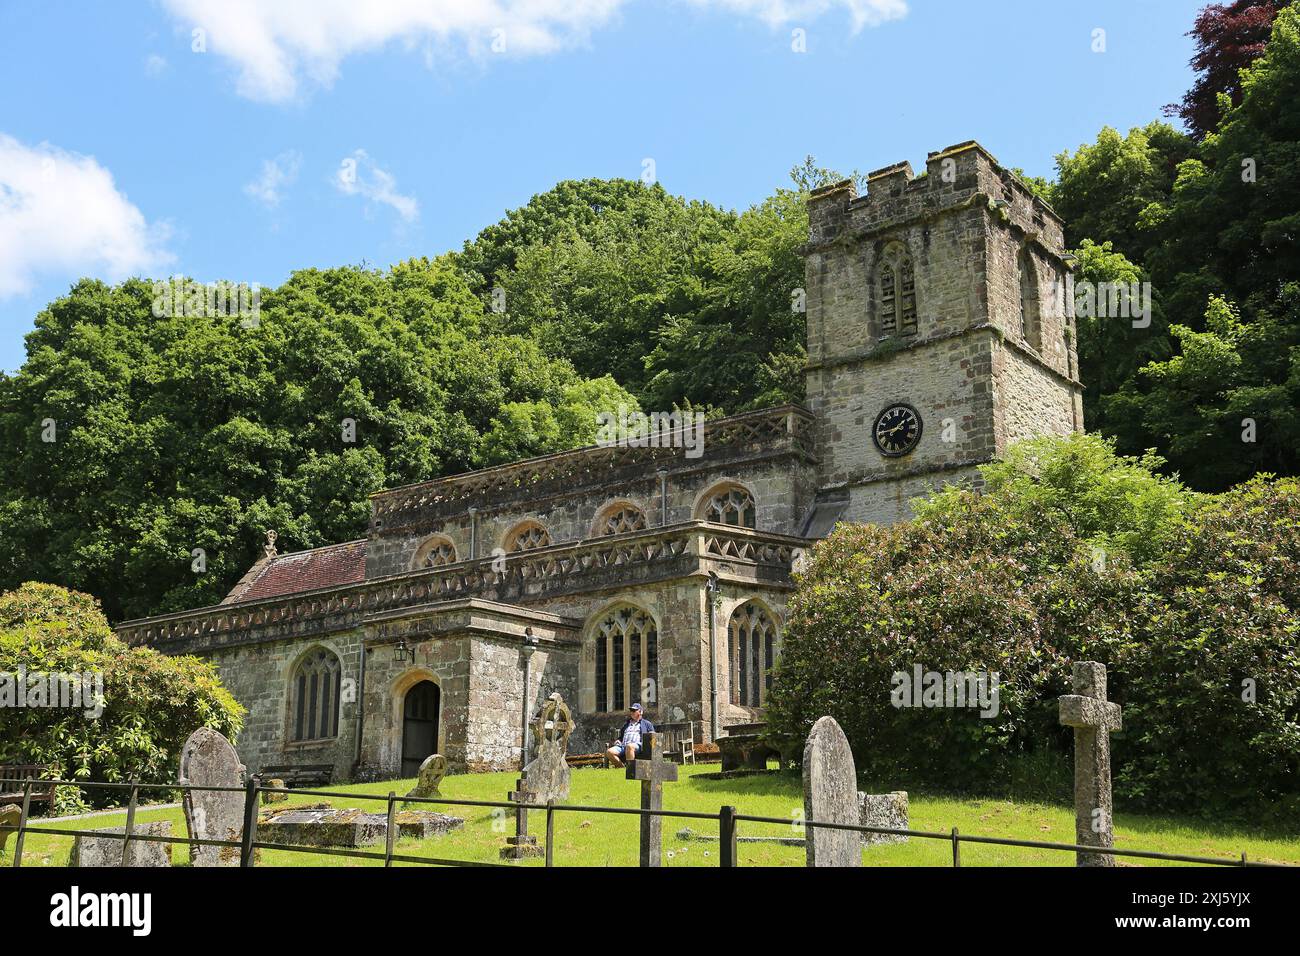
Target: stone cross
[522,844]
[1094,719]
[652,772]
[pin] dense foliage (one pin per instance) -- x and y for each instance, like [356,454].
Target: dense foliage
[1214,382]
[183,432]
[1072,553]
[151,702]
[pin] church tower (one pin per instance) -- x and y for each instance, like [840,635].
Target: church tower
[939,331]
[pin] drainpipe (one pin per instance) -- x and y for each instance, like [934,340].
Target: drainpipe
[361,701]
[663,496]
[530,645]
[473,534]
[711,589]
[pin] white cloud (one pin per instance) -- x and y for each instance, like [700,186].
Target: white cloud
[358,175]
[61,214]
[268,187]
[155,65]
[863,13]
[275,45]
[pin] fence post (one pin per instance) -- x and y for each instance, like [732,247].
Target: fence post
[956,848]
[391,829]
[130,821]
[727,837]
[22,823]
[550,830]
[250,822]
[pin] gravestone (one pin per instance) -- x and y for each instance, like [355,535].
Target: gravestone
[523,844]
[547,775]
[432,770]
[652,772]
[320,824]
[96,848]
[10,814]
[1094,719]
[208,759]
[274,796]
[883,810]
[830,795]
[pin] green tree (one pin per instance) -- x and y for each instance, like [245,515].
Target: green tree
[150,704]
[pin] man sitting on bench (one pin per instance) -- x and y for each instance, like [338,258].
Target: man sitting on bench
[629,742]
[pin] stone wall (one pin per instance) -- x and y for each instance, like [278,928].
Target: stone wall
[781,488]
[258,676]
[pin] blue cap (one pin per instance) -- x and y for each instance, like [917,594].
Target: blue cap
[636,706]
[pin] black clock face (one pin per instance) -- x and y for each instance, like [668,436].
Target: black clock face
[897,430]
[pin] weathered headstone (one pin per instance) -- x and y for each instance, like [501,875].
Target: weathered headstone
[208,759]
[1094,719]
[432,770]
[652,771]
[10,814]
[320,824]
[97,848]
[830,795]
[548,774]
[274,796]
[883,810]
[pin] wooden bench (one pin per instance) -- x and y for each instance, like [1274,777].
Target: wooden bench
[11,791]
[300,775]
[677,741]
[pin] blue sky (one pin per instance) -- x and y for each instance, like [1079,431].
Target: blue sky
[124,151]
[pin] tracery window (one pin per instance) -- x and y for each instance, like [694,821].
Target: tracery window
[435,553]
[1030,325]
[896,292]
[528,536]
[730,505]
[314,697]
[627,659]
[620,519]
[752,647]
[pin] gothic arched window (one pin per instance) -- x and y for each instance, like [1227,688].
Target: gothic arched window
[620,518]
[527,536]
[314,697]
[730,504]
[751,650]
[896,292]
[627,659]
[435,553]
[1030,325]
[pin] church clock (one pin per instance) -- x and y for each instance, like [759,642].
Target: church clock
[897,430]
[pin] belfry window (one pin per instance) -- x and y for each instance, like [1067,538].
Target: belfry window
[730,505]
[896,312]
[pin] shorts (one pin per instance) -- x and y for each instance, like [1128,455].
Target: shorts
[621,749]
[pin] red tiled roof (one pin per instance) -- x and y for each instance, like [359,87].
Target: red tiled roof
[331,566]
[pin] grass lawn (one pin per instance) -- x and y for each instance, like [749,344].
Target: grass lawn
[594,839]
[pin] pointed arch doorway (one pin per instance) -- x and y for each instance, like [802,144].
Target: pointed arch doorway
[419,725]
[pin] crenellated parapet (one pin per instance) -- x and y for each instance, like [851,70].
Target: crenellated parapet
[960,177]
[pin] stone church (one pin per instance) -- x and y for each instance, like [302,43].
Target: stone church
[615,574]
